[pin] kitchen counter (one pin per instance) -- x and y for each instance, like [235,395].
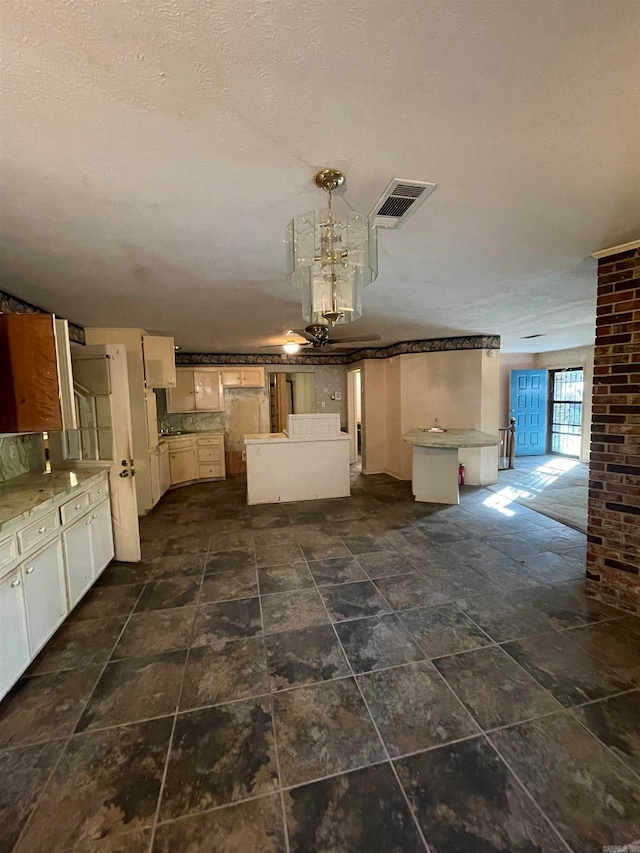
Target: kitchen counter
[275,437]
[451,438]
[282,469]
[203,432]
[436,460]
[31,494]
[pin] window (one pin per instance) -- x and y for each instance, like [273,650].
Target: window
[565,411]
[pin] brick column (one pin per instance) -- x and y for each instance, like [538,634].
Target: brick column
[613,550]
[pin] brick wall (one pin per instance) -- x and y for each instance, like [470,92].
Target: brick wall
[613,551]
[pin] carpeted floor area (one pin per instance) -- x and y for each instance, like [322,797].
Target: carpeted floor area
[555,486]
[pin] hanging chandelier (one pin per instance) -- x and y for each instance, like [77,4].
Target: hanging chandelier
[332,255]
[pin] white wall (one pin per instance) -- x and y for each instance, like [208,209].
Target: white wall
[575,357]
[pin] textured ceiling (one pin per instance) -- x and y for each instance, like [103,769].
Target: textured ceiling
[154,151]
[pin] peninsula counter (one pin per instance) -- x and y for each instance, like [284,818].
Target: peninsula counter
[435,461]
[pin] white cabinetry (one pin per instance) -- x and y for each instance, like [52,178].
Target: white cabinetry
[163,466]
[154,470]
[54,566]
[14,641]
[79,565]
[159,361]
[44,594]
[182,461]
[196,391]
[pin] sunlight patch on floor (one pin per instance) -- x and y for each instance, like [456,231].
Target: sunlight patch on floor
[531,485]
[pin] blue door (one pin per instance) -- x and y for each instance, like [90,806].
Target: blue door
[529,408]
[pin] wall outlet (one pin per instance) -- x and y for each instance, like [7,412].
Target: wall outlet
[338,395]
[13,451]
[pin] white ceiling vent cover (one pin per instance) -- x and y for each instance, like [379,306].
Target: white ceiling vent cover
[399,201]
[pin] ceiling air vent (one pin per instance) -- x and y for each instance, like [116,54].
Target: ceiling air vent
[399,201]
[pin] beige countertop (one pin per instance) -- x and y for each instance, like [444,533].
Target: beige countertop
[190,434]
[275,437]
[451,438]
[31,494]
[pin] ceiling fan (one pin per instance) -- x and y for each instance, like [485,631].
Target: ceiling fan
[317,337]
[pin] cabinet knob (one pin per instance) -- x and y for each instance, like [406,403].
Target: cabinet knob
[100,491]
[77,506]
[42,529]
[94,516]
[88,521]
[30,570]
[15,583]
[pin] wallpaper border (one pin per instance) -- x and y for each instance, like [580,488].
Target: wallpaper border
[461,342]
[10,304]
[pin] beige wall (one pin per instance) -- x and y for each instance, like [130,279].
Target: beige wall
[575,357]
[460,388]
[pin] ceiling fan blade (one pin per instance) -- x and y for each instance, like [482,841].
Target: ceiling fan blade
[304,334]
[279,346]
[356,339]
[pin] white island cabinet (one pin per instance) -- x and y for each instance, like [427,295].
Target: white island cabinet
[282,469]
[55,540]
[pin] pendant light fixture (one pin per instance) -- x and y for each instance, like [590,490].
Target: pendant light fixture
[332,255]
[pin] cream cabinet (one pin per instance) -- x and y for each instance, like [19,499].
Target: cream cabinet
[250,377]
[154,470]
[182,460]
[14,640]
[196,391]
[77,548]
[159,361]
[44,594]
[164,467]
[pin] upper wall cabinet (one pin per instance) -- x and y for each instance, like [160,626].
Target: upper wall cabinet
[29,389]
[159,361]
[251,377]
[196,391]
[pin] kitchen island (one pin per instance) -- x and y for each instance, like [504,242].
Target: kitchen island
[282,468]
[436,460]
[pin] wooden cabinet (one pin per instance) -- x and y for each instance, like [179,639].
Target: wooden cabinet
[196,391]
[250,377]
[14,640]
[29,389]
[44,594]
[210,456]
[159,361]
[182,461]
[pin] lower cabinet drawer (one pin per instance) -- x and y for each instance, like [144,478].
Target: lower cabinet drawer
[211,441]
[212,470]
[29,536]
[209,454]
[74,508]
[97,492]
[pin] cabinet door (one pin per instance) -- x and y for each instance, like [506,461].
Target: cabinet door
[183,465]
[154,471]
[253,377]
[159,361]
[165,472]
[182,398]
[44,594]
[14,642]
[208,390]
[101,537]
[79,564]
[231,378]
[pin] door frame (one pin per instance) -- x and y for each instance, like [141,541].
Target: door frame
[550,401]
[352,422]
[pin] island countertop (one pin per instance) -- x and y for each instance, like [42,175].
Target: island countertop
[451,438]
[275,437]
[30,494]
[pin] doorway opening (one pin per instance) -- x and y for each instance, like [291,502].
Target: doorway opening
[290,394]
[354,416]
[566,389]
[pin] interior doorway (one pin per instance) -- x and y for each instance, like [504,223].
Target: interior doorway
[354,415]
[566,389]
[291,393]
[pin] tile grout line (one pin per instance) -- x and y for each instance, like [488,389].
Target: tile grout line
[376,729]
[154,824]
[68,738]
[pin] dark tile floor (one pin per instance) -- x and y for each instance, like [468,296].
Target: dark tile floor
[367,675]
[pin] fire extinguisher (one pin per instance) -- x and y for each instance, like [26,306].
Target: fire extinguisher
[461,474]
